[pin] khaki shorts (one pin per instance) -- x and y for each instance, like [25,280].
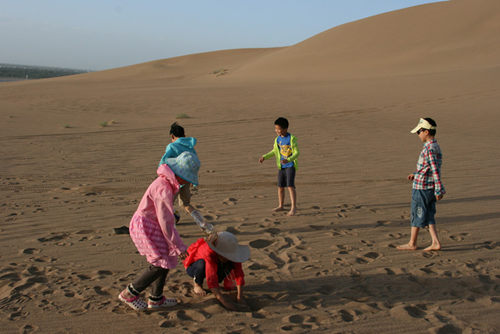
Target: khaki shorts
[184,195]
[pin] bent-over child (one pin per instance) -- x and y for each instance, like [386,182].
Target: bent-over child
[216,258]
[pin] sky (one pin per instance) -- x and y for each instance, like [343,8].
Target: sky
[103,34]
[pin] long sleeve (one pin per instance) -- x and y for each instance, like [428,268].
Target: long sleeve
[166,220]
[295,149]
[433,161]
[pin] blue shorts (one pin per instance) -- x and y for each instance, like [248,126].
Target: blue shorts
[423,208]
[286,177]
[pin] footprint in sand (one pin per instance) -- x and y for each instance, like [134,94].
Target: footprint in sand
[298,324]
[372,255]
[389,271]
[54,237]
[17,315]
[459,237]
[230,201]
[319,227]
[368,243]
[383,223]
[260,243]
[30,251]
[27,329]
[407,312]
[273,231]
[46,259]
[88,232]
[340,232]
[346,315]
[210,217]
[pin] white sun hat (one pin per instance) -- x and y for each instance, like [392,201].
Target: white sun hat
[423,124]
[227,246]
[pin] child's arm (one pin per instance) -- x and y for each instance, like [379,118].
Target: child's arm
[267,156]
[271,154]
[166,220]
[239,296]
[436,174]
[223,299]
[295,150]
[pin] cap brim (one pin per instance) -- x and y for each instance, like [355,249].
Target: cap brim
[415,129]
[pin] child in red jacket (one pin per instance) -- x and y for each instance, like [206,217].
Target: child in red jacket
[216,258]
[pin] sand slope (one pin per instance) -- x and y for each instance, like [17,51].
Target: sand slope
[352,94]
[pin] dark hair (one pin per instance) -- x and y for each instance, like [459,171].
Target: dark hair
[177,130]
[433,123]
[282,122]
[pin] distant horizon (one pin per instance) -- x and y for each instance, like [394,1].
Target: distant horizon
[113,34]
[45,67]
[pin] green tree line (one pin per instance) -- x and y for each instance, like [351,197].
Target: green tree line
[34,72]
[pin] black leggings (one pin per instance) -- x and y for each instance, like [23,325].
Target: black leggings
[197,270]
[154,277]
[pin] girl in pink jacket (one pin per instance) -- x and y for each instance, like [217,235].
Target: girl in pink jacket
[152,229]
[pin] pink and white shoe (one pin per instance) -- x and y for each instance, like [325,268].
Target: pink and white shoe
[136,303]
[164,302]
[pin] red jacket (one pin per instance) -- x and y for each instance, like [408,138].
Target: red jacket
[201,250]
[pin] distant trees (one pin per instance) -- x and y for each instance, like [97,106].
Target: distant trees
[34,72]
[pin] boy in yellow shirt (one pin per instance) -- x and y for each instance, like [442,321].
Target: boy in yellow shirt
[286,151]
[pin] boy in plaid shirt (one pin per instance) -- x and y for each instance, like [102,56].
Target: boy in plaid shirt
[427,186]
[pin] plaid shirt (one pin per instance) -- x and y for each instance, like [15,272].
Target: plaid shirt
[428,174]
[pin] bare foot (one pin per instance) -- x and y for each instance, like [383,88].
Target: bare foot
[292,212]
[407,247]
[199,290]
[279,208]
[433,248]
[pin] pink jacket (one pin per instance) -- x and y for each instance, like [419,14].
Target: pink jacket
[152,227]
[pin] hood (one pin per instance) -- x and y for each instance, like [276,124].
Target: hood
[166,173]
[188,142]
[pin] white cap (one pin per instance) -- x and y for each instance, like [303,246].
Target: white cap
[423,124]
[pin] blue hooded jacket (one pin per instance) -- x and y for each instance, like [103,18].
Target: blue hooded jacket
[174,149]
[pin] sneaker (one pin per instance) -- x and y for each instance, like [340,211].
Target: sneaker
[164,302]
[136,303]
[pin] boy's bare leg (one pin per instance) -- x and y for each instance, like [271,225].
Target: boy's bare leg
[412,245]
[436,245]
[198,289]
[293,198]
[281,199]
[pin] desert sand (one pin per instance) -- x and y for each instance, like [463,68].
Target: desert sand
[352,94]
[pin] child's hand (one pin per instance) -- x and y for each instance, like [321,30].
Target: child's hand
[411,177]
[439,197]
[241,301]
[228,305]
[284,161]
[261,160]
[184,255]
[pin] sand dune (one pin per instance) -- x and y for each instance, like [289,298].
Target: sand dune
[352,94]
[445,36]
